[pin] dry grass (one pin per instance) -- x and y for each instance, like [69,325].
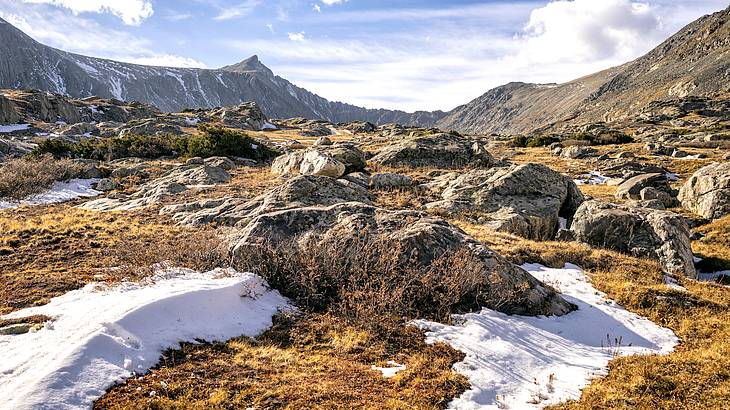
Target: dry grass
[695,376]
[50,250]
[317,361]
[714,245]
[24,177]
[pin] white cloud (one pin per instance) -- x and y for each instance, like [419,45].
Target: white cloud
[588,30]
[270,27]
[317,8]
[296,36]
[63,30]
[333,2]
[131,12]
[239,10]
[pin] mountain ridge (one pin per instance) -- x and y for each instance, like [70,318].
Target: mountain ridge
[30,64]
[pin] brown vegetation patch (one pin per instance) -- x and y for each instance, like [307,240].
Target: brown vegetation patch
[317,361]
[24,177]
[713,246]
[50,250]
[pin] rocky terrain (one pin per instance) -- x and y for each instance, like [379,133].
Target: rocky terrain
[256,253]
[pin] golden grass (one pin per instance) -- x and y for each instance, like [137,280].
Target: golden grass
[714,245]
[695,376]
[50,250]
[317,361]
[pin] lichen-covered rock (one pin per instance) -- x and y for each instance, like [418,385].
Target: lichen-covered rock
[632,187]
[420,239]
[707,191]
[300,191]
[246,116]
[577,152]
[389,180]
[439,150]
[641,232]
[308,162]
[526,200]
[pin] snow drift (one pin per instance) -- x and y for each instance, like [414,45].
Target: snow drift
[101,335]
[517,362]
[59,192]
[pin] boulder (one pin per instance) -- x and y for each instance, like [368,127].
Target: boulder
[577,152]
[632,187]
[12,148]
[389,180]
[318,163]
[300,191]
[323,140]
[348,154]
[150,127]
[527,200]
[642,232]
[246,116]
[81,128]
[707,191]
[653,194]
[439,150]
[418,238]
[8,111]
[220,162]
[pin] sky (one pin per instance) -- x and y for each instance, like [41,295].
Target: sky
[396,54]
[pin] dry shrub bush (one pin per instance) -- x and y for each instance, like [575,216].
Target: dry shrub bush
[368,279]
[24,177]
[200,251]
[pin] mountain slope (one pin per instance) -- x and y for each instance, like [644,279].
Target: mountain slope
[693,62]
[26,63]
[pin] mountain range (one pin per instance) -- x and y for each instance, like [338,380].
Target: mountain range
[693,62]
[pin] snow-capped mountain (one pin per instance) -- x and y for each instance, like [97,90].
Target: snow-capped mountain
[26,63]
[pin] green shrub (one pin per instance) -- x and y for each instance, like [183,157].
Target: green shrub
[519,141]
[541,141]
[56,147]
[219,141]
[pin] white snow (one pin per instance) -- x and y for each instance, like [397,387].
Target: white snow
[709,277]
[102,335]
[59,192]
[671,176]
[13,127]
[592,178]
[192,121]
[390,371]
[269,126]
[562,223]
[517,362]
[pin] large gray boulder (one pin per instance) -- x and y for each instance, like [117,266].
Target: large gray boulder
[527,200]
[8,111]
[707,191]
[246,116]
[577,152]
[418,239]
[439,150]
[641,232]
[632,187]
[308,162]
[297,192]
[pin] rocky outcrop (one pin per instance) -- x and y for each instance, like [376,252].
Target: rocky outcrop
[297,192]
[707,191]
[577,152]
[390,180]
[245,116]
[328,160]
[632,187]
[154,192]
[8,111]
[419,238]
[641,232]
[527,200]
[149,127]
[439,150]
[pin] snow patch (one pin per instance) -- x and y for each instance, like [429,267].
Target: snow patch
[518,362]
[269,126]
[59,192]
[79,354]
[192,121]
[4,129]
[390,371]
[592,178]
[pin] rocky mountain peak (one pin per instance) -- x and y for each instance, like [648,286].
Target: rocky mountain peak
[250,65]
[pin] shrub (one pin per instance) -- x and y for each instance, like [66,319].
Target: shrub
[219,141]
[519,141]
[370,279]
[541,141]
[24,177]
[57,147]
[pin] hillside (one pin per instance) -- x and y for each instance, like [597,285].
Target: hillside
[693,62]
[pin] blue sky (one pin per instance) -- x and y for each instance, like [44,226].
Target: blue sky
[403,54]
